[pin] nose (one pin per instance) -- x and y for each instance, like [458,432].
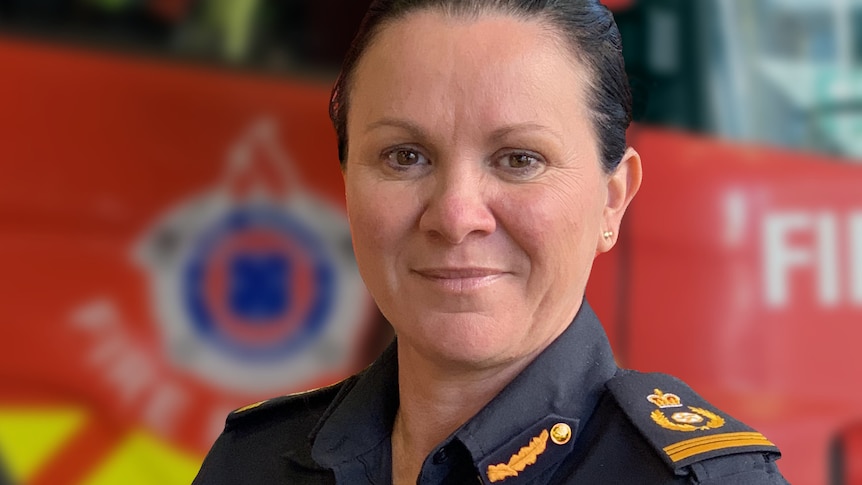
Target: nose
[458,207]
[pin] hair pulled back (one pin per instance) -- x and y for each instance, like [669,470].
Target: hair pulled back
[586,25]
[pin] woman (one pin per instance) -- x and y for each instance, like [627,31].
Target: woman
[485,164]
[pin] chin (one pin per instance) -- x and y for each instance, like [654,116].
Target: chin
[468,341]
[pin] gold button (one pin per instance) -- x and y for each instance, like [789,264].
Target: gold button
[561,433]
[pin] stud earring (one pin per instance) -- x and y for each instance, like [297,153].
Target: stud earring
[608,234]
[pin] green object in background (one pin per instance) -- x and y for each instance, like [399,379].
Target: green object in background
[234,20]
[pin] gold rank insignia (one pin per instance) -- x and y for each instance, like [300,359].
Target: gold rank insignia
[705,444]
[689,429]
[525,457]
[695,419]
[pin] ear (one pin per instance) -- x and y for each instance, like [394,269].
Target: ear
[622,186]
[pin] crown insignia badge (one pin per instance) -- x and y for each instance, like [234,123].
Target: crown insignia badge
[663,400]
[681,421]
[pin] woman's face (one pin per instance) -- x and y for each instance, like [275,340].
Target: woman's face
[475,193]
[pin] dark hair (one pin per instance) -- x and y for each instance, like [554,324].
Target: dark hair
[587,25]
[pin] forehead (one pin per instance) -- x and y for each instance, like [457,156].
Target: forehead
[486,36]
[488,68]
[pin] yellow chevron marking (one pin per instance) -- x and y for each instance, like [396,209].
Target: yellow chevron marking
[143,459]
[29,437]
[684,449]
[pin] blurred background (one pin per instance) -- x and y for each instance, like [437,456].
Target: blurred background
[173,240]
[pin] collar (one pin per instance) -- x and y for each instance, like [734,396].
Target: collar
[361,416]
[560,387]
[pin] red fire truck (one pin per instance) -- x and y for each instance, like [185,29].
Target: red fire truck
[148,145]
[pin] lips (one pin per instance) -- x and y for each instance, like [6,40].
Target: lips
[458,273]
[460,280]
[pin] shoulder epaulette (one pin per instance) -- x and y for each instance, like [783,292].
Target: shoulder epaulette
[282,404]
[681,425]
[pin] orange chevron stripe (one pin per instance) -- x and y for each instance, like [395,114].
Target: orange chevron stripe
[684,449]
[710,438]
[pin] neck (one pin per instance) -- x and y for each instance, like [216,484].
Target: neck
[436,400]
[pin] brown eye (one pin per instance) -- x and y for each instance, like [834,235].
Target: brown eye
[520,165]
[405,157]
[401,158]
[521,160]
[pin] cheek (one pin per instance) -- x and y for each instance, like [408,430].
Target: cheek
[554,225]
[376,220]
[363,219]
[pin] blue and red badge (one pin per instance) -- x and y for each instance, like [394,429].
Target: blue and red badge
[254,282]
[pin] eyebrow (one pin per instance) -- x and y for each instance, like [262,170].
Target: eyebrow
[413,128]
[505,131]
[498,134]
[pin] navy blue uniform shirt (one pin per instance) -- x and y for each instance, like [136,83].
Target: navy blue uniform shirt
[572,416]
